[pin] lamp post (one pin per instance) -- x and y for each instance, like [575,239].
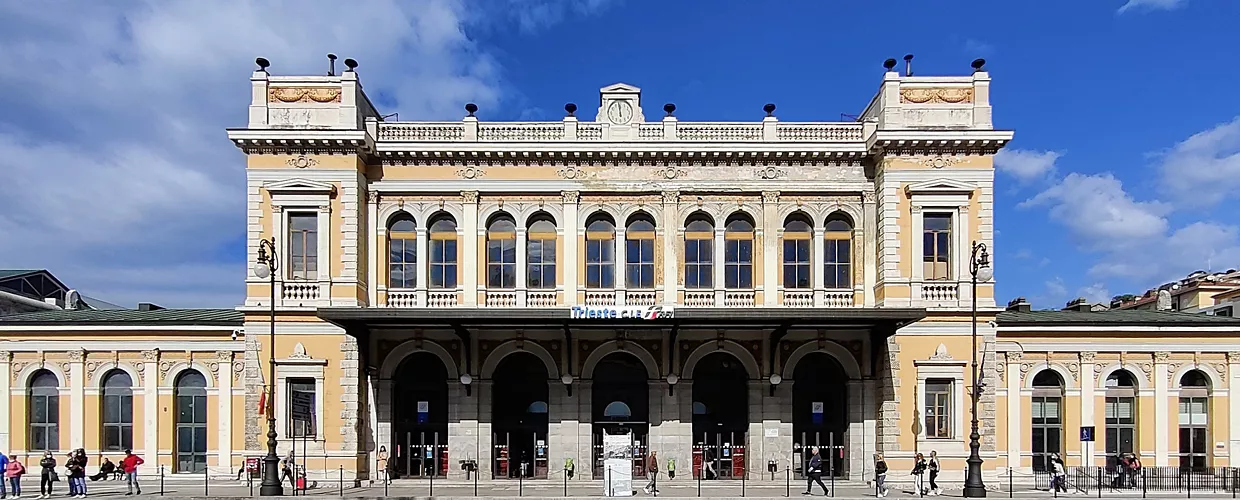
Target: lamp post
[979,269]
[266,266]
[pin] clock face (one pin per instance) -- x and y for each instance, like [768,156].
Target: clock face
[620,112]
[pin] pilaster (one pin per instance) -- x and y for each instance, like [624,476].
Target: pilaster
[1233,400]
[372,234]
[1086,383]
[469,247]
[224,379]
[77,398]
[6,391]
[522,268]
[671,229]
[150,402]
[1161,422]
[569,258]
[771,268]
[1014,423]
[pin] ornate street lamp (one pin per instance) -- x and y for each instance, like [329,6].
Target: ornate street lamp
[267,265]
[979,268]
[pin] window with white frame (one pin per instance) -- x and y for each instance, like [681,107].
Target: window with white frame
[540,253]
[699,253]
[600,252]
[502,252]
[303,245]
[443,251]
[837,268]
[1194,420]
[301,389]
[938,411]
[936,247]
[797,253]
[402,237]
[639,252]
[738,252]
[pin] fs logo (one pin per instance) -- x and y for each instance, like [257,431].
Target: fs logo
[612,312]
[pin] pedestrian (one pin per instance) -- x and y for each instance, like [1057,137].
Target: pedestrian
[813,473]
[1059,474]
[933,466]
[130,466]
[79,472]
[880,476]
[708,464]
[13,472]
[288,469]
[652,473]
[919,474]
[1134,470]
[383,465]
[48,475]
[4,463]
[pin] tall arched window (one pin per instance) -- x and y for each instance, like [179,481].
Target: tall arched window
[1047,415]
[797,252]
[44,412]
[699,252]
[837,269]
[639,252]
[1121,414]
[600,252]
[1194,420]
[117,411]
[738,252]
[402,236]
[502,252]
[443,252]
[191,422]
[540,252]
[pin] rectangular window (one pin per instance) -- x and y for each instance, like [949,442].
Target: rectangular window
[501,263]
[938,409]
[639,263]
[1047,430]
[1121,427]
[1194,435]
[600,263]
[936,246]
[540,273]
[303,238]
[738,263]
[117,419]
[443,263]
[44,421]
[402,262]
[796,263]
[699,258]
[837,271]
[301,390]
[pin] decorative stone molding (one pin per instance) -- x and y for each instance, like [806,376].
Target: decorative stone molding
[571,172]
[76,355]
[1161,356]
[1171,369]
[18,366]
[671,197]
[940,161]
[151,355]
[669,172]
[1233,357]
[64,368]
[300,94]
[469,196]
[372,196]
[941,354]
[238,370]
[1088,356]
[936,95]
[299,352]
[5,356]
[302,161]
[1014,356]
[770,173]
[164,366]
[471,172]
[1001,372]
[141,368]
[570,196]
[770,197]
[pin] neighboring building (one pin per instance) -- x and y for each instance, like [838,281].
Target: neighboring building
[509,293]
[31,290]
[1198,292]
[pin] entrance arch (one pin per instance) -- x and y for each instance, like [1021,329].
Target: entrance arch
[519,398]
[820,411]
[720,413]
[420,416]
[620,404]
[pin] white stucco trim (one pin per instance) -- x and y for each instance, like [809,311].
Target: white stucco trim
[1069,380]
[177,367]
[953,371]
[101,373]
[1140,375]
[1217,382]
[22,380]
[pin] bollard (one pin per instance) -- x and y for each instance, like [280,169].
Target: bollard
[743,474]
[385,483]
[1100,482]
[161,480]
[1010,490]
[521,480]
[701,472]
[788,482]
[565,481]
[1189,478]
[475,482]
[1143,483]
[433,474]
[341,480]
[206,481]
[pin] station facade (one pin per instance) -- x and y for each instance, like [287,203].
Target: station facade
[493,298]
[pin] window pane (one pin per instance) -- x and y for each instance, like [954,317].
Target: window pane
[38,409]
[185,439]
[111,409]
[200,409]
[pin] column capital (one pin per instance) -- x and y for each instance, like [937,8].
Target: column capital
[1233,357]
[570,196]
[469,196]
[671,197]
[770,197]
[372,197]
[223,356]
[1088,356]
[1161,356]
[1014,356]
[151,356]
[6,356]
[77,355]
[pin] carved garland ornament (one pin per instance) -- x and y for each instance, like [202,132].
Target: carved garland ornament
[571,172]
[302,161]
[940,161]
[298,94]
[770,173]
[936,96]
[670,172]
[471,172]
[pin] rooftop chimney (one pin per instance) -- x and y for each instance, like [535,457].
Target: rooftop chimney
[1079,305]
[147,306]
[1019,304]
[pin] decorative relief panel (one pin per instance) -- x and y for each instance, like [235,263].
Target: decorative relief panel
[770,173]
[302,161]
[940,161]
[936,95]
[471,172]
[300,94]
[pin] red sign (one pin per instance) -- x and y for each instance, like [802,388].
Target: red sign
[251,465]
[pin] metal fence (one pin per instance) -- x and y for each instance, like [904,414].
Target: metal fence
[1187,480]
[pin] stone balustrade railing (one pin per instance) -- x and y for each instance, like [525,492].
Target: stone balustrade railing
[570,130]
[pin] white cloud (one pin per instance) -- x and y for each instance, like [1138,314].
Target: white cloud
[1148,5]
[1096,293]
[1100,214]
[118,177]
[1026,165]
[1204,169]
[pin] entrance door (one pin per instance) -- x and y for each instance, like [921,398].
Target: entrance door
[820,412]
[191,407]
[620,398]
[519,417]
[420,417]
[720,416]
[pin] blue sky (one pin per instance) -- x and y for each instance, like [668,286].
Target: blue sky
[117,175]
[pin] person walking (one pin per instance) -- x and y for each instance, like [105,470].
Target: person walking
[813,473]
[933,467]
[4,463]
[880,476]
[1059,474]
[13,472]
[289,470]
[130,466]
[48,475]
[919,474]
[652,473]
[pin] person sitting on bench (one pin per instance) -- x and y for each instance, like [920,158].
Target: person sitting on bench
[105,469]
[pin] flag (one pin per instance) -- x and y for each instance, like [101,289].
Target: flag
[262,402]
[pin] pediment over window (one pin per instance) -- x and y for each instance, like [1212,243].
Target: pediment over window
[940,186]
[300,186]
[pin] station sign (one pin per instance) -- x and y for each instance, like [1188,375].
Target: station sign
[622,312]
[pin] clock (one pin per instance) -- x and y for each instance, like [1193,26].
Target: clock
[620,112]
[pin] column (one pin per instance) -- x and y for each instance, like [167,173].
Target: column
[522,265]
[1233,412]
[621,256]
[372,265]
[561,427]
[755,445]
[224,384]
[869,242]
[570,257]
[6,397]
[1161,423]
[869,409]
[1087,407]
[463,437]
[583,460]
[150,404]
[717,265]
[77,398]
[771,226]
[469,247]
[671,228]
[1013,410]
[854,441]
[424,268]
[817,266]
[484,451]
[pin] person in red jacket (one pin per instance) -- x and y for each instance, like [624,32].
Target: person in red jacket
[130,466]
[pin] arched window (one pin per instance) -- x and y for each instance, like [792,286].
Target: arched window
[1121,414]
[797,252]
[617,410]
[738,252]
[639,252]
[600,253]
[117,411]
[1194,420]
[540,252]
[443,252]
[44,412]
[191,422]
[402,236]
[837,238]
[699,252]
[1047,415]
[502,252]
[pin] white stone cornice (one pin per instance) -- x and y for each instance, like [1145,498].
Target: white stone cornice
[920,142]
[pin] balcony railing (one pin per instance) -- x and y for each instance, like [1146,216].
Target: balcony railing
[540,298]
[441,298]
[798,298]
[641,297]
[699,298]
[738,298]
[837,132]
[940,291]
[411,298]
[501,298]
[300,291]
[837,298]
[402,298]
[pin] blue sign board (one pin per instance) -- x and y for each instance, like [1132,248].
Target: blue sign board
[1087,433]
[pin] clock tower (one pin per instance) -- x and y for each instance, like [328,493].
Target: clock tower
[620,108]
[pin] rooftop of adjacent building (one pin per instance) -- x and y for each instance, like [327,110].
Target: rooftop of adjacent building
[1217,286]
[1081,312]
[37,290]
